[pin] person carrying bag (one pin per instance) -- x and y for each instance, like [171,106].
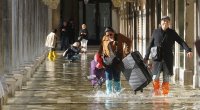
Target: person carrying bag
[167,37]
[156,51]
[107,50]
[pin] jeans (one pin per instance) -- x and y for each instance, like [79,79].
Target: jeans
[162,67]
[112,73]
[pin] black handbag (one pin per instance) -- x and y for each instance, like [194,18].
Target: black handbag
[156,51]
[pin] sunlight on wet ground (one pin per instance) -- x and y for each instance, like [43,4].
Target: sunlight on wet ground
[61,85]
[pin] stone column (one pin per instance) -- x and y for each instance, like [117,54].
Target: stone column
[164,7]
[153,15]
[15,36]
[21,31]
[157,13]
[1,39]
[177,47]
[25,32]
[171,12]
[56,17]
[31,37]
[144,30]
[196,76]
[7,35]
[189,38]
[50,20]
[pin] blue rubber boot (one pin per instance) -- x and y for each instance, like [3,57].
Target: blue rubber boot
[108,87]
[117,86]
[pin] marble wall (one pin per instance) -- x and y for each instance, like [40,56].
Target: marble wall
[24,25]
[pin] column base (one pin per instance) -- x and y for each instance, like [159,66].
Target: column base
[196,81]
[175,77]
[186,77]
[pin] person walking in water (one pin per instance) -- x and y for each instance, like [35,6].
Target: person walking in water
[165,37]
[64,36]
[51,43]
[111,49]
[83,37]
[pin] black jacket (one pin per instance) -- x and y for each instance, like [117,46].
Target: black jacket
[70,52]
[167,46]
[83,36]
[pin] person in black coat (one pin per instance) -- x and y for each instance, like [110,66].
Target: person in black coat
[166,64]
[64,31]
[83,32]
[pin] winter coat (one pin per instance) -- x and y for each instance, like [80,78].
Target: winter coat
[70,52]
[85,35]
[117,45]
[51,40]
[167,47]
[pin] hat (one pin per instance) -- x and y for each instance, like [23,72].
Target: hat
[75,44]
[165,18]
[109,29]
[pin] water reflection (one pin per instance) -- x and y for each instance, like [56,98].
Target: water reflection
[51,58]
[161,104]
[84,65]
[50,65]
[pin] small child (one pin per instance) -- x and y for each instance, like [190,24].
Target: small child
[51,44]
[72,53]
[97,72]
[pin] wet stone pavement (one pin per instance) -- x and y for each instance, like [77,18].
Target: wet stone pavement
[60,85]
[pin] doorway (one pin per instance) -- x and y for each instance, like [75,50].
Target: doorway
[97,16]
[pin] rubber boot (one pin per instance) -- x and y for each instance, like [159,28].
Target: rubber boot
[50,55]
[165,88]
[156,86]
[54,54]
[117,86]
[108,87]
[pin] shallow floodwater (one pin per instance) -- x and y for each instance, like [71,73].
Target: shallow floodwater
[61,85]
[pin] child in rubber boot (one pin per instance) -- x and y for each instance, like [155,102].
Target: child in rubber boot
[51,44]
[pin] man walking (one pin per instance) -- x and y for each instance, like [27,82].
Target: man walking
[168,37]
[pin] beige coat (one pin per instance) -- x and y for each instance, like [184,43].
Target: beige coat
[121,39]
[51,40]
